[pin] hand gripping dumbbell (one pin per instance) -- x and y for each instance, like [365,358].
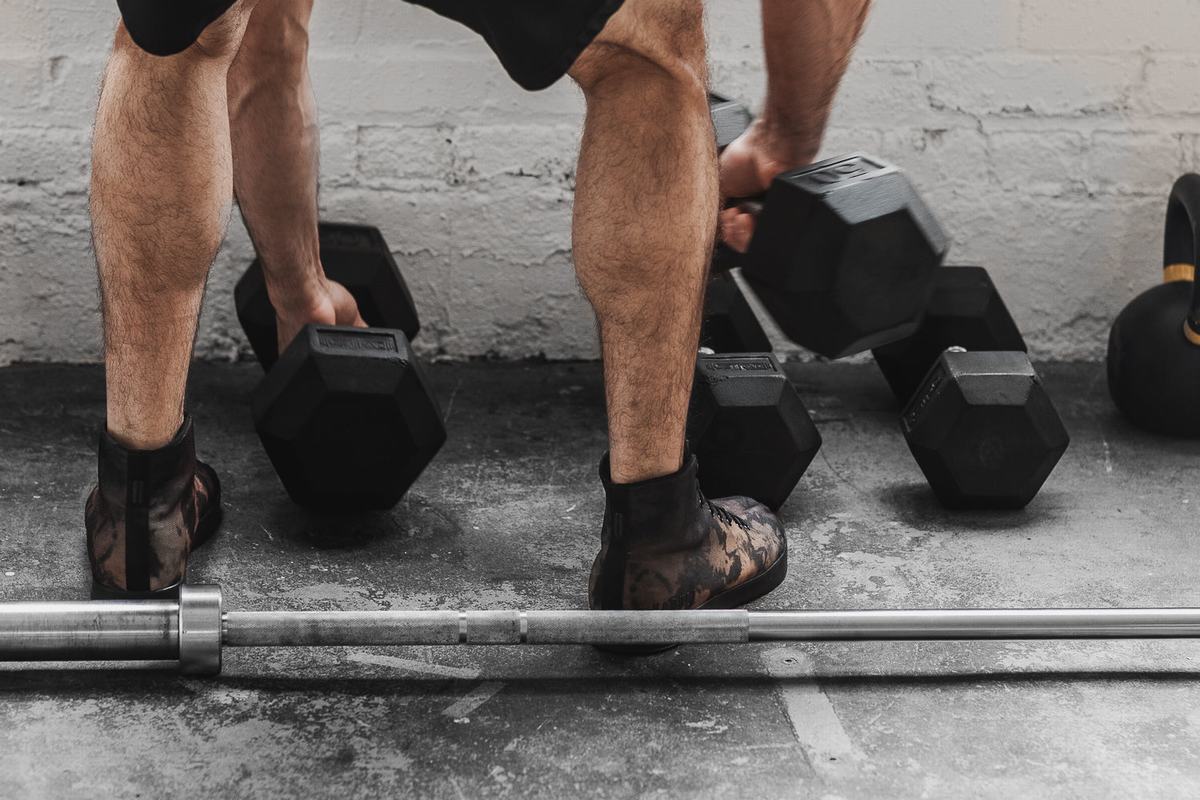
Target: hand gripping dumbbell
[748,427]
[983,429]
[1154,346]
[965,310]
[346,415]
[357,257]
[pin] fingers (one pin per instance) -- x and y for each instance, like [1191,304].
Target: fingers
[737,228]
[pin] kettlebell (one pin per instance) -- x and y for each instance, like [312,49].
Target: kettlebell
[1154,345]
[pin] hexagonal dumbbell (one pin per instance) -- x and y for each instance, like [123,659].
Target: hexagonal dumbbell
[844,254]
[748,428]
[966,311]
[729,324]
[729,117]
[983,430]
[348,418]
[355,256]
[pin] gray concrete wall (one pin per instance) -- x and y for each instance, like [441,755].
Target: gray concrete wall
[1044,133]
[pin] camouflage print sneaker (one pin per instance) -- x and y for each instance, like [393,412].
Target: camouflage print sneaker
[147,513]
[666,546]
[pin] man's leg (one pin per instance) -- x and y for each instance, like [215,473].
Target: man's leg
[645,211]
[161,186]
[162,180]
[273,120]
[645,215]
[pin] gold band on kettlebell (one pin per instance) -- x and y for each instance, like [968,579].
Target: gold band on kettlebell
[1190,334]
[1179,272]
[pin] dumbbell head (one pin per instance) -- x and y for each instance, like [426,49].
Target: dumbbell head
[844,254]
[749,429]
[355,256]
[965,310]
[1154,345]
[729,324]
[983,430]
[730,118]
[348,418]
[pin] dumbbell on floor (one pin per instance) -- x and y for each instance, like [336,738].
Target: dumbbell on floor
[983,430]
[346,415]
[348,418]
[965,310]
[749,428]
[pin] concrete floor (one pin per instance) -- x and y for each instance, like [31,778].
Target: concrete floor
[508,515]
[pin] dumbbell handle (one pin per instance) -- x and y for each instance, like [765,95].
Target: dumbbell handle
[751,205]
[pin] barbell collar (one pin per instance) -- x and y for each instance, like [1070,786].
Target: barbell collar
[200,629]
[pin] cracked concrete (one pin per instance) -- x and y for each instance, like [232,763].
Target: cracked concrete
[508,514]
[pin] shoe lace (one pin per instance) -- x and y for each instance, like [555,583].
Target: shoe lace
[722,513]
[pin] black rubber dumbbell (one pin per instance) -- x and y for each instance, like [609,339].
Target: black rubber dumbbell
[730,118]
[729,324]
[355,256]
[983,430]
[844,254]
[749,428]
[348,418]
[965,310]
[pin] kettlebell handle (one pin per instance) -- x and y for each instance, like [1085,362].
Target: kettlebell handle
[1181,245]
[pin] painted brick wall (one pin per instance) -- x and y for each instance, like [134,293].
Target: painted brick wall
[1044,133]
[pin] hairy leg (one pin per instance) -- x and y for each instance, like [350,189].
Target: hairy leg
[160,192]
[273,121]
[644,219]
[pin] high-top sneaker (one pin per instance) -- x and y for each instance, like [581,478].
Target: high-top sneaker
[150,509]
[665,546]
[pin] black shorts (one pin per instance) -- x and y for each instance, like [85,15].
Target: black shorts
[537,41]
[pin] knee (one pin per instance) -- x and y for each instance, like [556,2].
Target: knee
[276,41]
[161,28]
[648,40]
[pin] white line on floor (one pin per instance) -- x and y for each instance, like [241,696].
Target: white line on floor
[413,665]
[472,699]
[813,718]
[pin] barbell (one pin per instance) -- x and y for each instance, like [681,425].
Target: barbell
[193,629]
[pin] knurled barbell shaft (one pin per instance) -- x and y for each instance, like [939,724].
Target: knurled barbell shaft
[366,628]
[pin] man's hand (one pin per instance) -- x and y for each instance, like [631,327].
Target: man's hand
[807,44]
[329,304]
[748,165]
